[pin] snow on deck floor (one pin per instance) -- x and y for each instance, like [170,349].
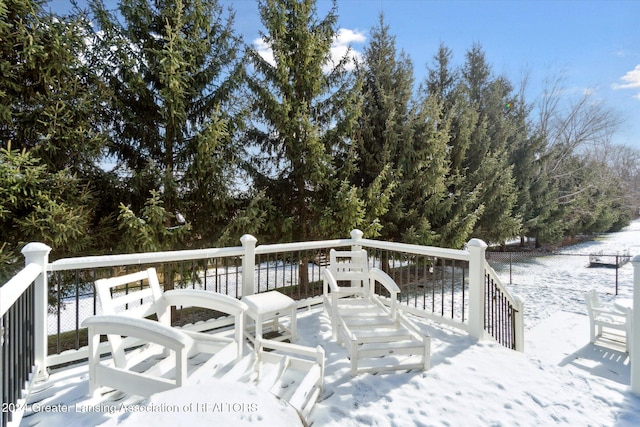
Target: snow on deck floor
[561,379]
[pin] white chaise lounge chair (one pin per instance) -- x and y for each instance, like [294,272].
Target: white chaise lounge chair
[378,337]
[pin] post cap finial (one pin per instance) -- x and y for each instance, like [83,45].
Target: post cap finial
[248,238]
[477,243]
[356,234]
[35,247]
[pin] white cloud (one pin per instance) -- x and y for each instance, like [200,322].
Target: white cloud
[343,41]
[264,50]
[631,79]
[346,36]
[623,53]
[341,45]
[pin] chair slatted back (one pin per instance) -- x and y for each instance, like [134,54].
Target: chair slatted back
[117,296]
[133,295]
[350,268]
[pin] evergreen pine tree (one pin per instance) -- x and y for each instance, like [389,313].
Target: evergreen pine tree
[174,70]
[304,108]
[536,195]
[424,167]
[385,127]
[460,208]
[49,138]
[487,158]
[39,206]
[49,97]
[410,139]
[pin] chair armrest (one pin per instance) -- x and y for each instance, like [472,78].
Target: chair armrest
[329,282]
[145,329]
[611,312]
[204,299]
[377,275]
[385,280]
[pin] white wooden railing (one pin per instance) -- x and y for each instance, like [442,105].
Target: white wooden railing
[23,310]
[452,289]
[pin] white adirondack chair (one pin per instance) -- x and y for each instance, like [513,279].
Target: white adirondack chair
[125,315]
[378,337]
[602,316]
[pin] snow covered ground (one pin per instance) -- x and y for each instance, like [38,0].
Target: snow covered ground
[560,379]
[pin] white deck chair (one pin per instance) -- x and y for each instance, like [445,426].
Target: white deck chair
[376,334]
[292,372]
[601,316]
[350,273]
[125,315]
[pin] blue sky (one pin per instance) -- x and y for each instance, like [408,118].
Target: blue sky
[594,45]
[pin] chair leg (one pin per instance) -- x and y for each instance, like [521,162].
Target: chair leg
[294,323]
[94,359]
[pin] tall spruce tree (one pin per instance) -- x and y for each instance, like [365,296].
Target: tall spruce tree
[174,70]
[424,166]
[536,195]
[47,133]
[461,207]
[487,157]
[304,110]
[406,136]
[385,126]
[49,97]
[39,206]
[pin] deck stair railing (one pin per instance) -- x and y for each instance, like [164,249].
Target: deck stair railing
[503,313]
[454,287]
[23,308]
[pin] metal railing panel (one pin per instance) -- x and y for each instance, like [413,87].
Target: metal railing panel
[17,355]
[436,285]
[503,312]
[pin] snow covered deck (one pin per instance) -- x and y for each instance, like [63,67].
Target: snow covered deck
[561,379]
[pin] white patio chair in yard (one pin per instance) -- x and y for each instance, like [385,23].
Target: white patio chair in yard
[378,337]
[603,316]
[162,350]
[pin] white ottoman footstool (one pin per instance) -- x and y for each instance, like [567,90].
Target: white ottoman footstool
[269,307]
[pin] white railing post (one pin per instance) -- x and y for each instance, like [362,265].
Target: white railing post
[38,253]
[356,235]
[519,322]
[248,264]
[634,348]
[477,250]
